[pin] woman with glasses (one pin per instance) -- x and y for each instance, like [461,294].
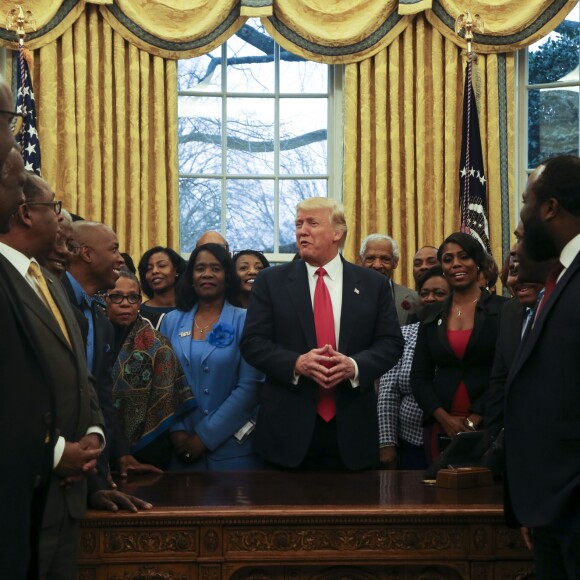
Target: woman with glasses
[150,390]
[205,331]
[159,271]
[248,264]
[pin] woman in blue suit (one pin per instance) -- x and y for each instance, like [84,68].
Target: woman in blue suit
[205,331]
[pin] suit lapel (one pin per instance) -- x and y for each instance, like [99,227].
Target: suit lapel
[351,297]
[34,304]
[299,293]
[527,346]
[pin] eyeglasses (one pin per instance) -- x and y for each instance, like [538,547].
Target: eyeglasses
[118,298]
[16,120]
[56,205]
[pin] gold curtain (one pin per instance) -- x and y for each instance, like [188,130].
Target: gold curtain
[403,115]
[107,120]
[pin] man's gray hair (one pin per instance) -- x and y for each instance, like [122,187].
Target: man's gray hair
[379,238]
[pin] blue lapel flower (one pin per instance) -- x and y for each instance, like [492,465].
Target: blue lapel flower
[222,335]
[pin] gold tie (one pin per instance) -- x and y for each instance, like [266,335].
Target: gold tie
[34,270]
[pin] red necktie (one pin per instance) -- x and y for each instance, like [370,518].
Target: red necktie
[551,281]
[324,324]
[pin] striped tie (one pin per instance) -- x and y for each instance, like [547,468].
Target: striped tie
[34,271]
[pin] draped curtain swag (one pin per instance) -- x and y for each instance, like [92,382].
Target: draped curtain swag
[105,81]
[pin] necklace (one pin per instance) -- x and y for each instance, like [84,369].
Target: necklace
[459,313]
[202,329]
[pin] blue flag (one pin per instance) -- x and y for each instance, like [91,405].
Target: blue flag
[472,189]
[27,138]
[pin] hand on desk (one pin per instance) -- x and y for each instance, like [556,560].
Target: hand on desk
[388,457]
[113,500]
[128,464]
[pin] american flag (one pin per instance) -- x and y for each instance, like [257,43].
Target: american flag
[472,182]
[28,135]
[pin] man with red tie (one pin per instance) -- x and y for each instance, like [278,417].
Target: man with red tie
[322,330]
[542,401]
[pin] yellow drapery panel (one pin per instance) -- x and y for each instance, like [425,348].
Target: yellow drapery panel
[403,115]
[107,120]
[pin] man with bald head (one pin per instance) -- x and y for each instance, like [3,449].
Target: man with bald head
[58,350]
[424,259]
[93,269]
[213,237]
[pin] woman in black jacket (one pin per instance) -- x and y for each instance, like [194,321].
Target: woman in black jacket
[455,347]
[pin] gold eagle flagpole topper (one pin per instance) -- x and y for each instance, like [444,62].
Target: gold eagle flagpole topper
[470,24]
[20,22]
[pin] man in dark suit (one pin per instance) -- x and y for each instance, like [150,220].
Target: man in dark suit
[318,407]
[381,253]
[59,344]
[542,417]
[515,321]
[26,402]
[95,269]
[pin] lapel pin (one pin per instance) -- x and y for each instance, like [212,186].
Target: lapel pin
[184,334]
[356,291]
[440,322]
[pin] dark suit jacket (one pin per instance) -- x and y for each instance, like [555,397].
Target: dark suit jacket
[406,303]
[542,413]
[77,406]
[509,335]
[103,361]
[437,372]
[280,327]
[26,432]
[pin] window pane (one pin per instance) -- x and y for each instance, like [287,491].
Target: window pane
[199,134]
[302,76]
[293,191]
[251,60]
[552,124]
[555,58]
[199,209]
[200,74]
[250,214]
[250,136]
[303,136]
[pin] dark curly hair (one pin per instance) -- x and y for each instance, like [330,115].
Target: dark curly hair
[185,296]
[178,263]
[430,273]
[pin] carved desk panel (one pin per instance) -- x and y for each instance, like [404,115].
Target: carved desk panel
[292,526]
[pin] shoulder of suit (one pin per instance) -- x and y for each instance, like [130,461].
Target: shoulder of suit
[406,292]
[492,303]
[432,312]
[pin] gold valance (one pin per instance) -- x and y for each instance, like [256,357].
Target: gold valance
[509,25]
[341,31]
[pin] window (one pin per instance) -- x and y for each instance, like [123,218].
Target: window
[253,141]
[549,103]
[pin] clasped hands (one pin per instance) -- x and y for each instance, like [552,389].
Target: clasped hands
[79,459]
[325,366]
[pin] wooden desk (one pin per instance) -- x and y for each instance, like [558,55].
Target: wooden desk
[281,526]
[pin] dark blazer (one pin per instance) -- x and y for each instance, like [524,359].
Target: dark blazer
[280,327]
[542,412]
[76,407]
[26,432]
[509,336]
[406,303]
[437,372]
[103,361]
